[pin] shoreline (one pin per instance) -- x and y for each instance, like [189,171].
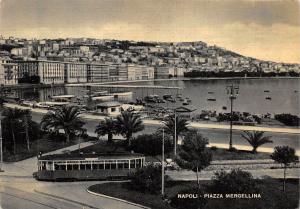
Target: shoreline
[28,86]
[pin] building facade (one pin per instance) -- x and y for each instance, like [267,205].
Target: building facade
[8,72]
[75,72]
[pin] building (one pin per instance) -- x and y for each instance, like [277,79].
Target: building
[49,72]
[139,72]
[118,72]
[8,72]
[112,108]
[97,72]
[75,72]
[161,72]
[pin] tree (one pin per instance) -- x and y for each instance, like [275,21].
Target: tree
[256,139]
[181,126]
[107,126]
[13,117]
[284,155]
[129,123]
[193,154]
[146,179]
[150,144]
[63,117]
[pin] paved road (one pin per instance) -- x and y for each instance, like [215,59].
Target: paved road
[11,198]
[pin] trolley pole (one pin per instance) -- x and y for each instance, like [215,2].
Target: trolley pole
[163,165]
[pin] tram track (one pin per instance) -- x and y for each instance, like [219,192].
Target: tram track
[29,200]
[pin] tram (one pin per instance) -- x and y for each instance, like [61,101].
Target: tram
[66,167]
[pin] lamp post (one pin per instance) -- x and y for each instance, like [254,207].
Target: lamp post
[232,91]
[163,165]
[175,133]
[1,144]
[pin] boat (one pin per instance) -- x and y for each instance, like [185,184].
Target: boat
[151,99]
[168,98]
[268,98]
[266,90]
[50,104]
[103,98]
[211,99]
[188,100]
[179,96]
[185,102]
[63,98]
[210,92]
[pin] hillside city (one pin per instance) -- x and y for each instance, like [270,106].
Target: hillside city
[80,60]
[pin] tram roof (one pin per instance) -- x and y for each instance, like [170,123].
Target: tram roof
[90,156]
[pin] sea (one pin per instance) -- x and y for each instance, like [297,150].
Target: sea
[256,96]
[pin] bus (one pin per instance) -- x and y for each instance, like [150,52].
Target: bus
[79,166]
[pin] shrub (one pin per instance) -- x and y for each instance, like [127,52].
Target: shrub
[288,119]
[191,203]
[236,181]
[151,144]
[146,179]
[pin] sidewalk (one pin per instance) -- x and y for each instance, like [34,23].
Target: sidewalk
[192,124]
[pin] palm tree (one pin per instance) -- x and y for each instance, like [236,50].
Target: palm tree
[181,126]
[129,123]
[63,117]
[256,139]
[14,117]
[107,126]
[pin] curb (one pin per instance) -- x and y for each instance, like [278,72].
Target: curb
[66,199]
[117,199]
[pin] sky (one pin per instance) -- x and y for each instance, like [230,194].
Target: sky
[264,29]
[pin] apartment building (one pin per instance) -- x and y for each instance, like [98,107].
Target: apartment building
[8,72]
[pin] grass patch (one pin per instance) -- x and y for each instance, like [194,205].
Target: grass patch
[272,197]
[225,154]
[44,145]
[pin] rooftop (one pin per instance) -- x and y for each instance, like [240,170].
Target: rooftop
[91,156]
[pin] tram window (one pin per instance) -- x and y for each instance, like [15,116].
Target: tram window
[138,163]
[107,166]
[56,167]
[88,166]
[82,166]
[132,164]
[75,167]
[62,167]
[101,166]
[126,165]
[113,166]
[69,167]
[95,167]
[120,165]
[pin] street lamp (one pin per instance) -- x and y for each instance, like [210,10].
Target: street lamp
[175,134]
[163,165]
[1,144]
[233,92]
